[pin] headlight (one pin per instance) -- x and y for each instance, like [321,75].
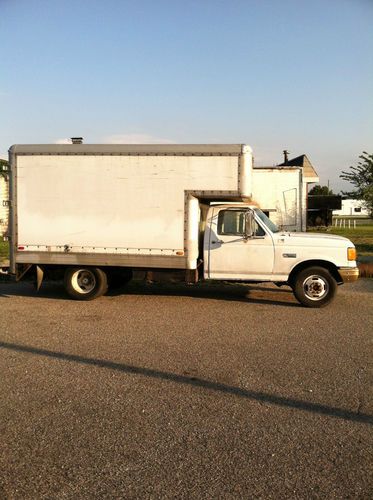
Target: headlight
[351,253]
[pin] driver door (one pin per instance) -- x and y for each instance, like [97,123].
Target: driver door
[230,254]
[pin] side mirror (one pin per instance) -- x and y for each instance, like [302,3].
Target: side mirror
[249,224]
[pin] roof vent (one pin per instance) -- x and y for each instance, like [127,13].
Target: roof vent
[77,140]
[286,156]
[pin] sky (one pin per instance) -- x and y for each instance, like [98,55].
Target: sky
[274,74]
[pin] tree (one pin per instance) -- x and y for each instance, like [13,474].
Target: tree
[361,176]
[321,190]
[4,168]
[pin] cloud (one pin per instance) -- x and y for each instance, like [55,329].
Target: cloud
[62,141]
[135,139]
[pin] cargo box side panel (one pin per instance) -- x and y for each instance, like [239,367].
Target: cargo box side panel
[112,204]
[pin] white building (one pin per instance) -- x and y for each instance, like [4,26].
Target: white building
[351,207]
[282,191]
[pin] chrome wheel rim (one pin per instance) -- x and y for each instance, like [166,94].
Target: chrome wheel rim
[83,281]
[315,287]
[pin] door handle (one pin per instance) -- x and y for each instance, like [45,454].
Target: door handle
[217,241]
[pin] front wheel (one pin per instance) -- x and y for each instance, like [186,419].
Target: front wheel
[85,283]
[314,287]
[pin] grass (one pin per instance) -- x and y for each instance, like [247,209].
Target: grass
[4,251]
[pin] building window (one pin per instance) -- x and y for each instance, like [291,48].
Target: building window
[357,209]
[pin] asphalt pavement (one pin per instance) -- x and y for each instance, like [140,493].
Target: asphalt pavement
[170,391]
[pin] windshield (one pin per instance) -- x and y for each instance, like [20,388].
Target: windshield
[262,216]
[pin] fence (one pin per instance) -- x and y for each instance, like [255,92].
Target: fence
[351,223]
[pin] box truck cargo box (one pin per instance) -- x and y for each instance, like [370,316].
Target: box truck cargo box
[120,205]
[95,213]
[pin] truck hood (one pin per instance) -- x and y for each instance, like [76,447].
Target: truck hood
[313,239]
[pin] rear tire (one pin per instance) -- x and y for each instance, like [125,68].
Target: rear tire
[85,283]
[314,287]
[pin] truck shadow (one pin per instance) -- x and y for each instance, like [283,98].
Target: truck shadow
[226,292]
[185,379]
[235,292]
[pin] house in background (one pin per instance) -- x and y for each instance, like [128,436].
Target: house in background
[281,191]
[350,208]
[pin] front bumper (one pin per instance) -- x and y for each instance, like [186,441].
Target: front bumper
[349,274]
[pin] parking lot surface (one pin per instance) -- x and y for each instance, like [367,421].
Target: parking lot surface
[169,391]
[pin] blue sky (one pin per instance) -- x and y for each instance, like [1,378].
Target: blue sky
[275,74]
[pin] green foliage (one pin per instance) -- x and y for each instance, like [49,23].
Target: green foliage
[321,190]
[4,251]
[361,176]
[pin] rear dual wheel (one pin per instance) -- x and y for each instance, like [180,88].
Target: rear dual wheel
[85,283]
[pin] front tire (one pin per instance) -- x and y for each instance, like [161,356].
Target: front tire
[314,287]
[85,283]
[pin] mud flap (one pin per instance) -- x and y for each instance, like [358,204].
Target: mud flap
[191,276]
[39,277]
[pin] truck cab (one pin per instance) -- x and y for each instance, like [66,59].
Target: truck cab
[242,244]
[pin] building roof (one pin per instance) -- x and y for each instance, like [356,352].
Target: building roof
[304,162]
[130,149]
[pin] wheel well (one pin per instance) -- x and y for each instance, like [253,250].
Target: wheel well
[332,268]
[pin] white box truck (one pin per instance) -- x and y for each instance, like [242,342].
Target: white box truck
[96,213]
